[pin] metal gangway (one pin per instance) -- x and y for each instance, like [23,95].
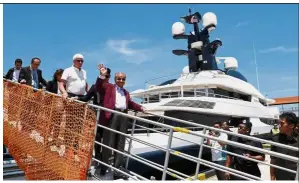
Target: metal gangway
[169,132]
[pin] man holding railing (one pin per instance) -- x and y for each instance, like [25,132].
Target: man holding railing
[218,157]
[241,164]
[117,98]
[287,136]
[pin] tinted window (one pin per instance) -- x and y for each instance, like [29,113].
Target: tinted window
[167,82]
[236,74]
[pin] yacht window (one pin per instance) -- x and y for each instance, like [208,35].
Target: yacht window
[236,74]
[171,94]
[189,93]
[168,82]
[268,121]
[191,103]
[262,102]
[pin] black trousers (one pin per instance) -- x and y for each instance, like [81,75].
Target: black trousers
[97,147]
[220,174]
[253,170]
[114,140]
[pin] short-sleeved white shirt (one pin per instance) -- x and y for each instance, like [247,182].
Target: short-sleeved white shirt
[75,80]
[216,154]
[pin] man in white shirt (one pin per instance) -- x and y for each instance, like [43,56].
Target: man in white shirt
[218,157]
[14,73]
[74,78]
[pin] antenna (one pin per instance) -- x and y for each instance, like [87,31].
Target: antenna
[257,76]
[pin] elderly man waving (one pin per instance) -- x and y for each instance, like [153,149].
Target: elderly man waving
[116,98]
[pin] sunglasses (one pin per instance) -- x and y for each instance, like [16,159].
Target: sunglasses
[241,127]
[81,61]
[121,79]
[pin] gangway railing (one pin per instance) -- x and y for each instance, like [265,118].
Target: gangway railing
[170,151]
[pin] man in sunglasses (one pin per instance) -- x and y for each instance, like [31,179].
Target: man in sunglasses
[75,80]
[287,135]
[116,98]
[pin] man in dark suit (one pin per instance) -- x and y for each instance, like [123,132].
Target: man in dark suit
[116,98]
[32,76]
[97,100]
[93,94]
[13,73]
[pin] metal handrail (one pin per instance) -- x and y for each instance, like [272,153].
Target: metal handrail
[251,159]
[195,159]
[227,132]
[132,157]
[177,153]
[198,160]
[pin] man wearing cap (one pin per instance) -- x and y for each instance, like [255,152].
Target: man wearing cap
[287,136]
[241,164]
[74,78]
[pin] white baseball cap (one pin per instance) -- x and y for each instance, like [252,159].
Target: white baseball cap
[78,55]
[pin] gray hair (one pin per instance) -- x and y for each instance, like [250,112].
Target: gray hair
[120,73]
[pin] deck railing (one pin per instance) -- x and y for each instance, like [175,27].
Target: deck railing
[167,148]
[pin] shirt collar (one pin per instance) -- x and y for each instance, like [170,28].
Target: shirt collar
[32,69]
[76,68]
[119,88]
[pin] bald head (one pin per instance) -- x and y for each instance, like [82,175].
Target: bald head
[120,79]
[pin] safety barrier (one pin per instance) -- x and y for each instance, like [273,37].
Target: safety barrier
[50,139]
[171,131]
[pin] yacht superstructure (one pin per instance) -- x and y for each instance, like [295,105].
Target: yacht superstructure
[203,93]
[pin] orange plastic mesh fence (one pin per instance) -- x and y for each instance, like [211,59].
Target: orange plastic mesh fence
[49,138]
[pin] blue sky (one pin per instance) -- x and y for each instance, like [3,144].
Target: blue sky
[137,39]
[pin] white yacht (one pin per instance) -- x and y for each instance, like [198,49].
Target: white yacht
[202,93]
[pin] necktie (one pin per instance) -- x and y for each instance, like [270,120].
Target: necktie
[35,78]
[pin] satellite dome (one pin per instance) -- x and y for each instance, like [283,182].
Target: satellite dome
[186,70]
[231,63]
[178,28]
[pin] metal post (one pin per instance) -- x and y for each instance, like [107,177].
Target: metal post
[96,130]
[167,154]
[207,91]
[297,174]
[130,143]
[199,154]
[89,173]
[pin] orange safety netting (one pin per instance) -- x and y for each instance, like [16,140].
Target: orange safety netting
[50,139]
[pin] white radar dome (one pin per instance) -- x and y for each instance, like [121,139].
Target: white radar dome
[178,28]
[208,19]
[186,70]
[230,63]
